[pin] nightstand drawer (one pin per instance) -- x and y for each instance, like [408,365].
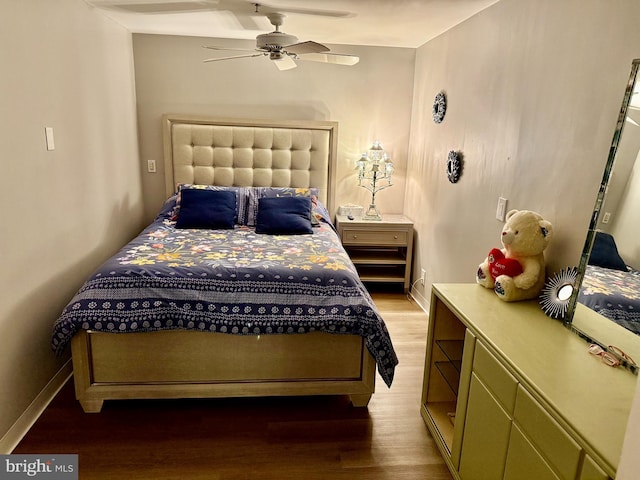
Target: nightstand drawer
[374,237]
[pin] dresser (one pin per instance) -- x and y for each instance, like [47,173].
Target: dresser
[381,250]
[512,394]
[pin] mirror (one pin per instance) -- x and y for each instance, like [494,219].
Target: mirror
[606,283]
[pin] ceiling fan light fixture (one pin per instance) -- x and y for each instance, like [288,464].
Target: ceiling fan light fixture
[284,62]
[269,41]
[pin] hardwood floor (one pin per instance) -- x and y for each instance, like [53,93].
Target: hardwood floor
[305,438]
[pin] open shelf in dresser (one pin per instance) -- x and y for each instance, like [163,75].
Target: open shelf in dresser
[444,363]
[450,368]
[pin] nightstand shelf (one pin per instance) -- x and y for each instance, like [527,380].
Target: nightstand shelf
[380,250]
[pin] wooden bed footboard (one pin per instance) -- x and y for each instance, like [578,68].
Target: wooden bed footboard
[189,364]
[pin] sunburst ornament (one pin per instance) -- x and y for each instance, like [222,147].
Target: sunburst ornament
[557,292]
[439,107]
[454,166]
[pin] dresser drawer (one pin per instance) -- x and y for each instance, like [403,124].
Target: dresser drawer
[352,236]
[547,435]
[591,470]
[502,384]
[524,462]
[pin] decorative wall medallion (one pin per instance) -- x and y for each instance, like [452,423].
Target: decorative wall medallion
[557,292]
[454,166]
[439,107]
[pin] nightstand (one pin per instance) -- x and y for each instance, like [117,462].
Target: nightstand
[380,250]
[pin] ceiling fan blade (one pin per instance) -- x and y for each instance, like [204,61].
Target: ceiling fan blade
[306,47]
[217,59]
[337,58]
[164,7]
[285,63]
[211,47]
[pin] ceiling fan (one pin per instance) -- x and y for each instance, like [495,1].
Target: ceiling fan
[284,49]
[247,18]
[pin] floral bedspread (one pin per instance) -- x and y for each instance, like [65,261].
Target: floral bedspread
[228,281]
[614,294]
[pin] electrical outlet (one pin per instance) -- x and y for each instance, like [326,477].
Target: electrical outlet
[423,276]
[151,166]
[606,217]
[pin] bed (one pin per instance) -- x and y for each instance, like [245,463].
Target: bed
[229,301]
[610,287]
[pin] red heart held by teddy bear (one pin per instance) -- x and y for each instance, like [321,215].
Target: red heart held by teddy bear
[500,265]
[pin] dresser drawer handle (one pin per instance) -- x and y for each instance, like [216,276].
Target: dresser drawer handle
[355,236]
[395,237]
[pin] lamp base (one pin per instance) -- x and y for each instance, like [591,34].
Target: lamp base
[372,213]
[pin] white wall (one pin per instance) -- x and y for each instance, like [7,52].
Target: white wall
[534,89]
[371,100]
[64,211]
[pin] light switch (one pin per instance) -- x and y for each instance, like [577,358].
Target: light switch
[48,134]
[151,166]
[501,210]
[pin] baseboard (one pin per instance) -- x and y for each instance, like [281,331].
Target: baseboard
[420,299]
[20,428]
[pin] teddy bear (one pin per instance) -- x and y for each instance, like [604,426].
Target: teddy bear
[517,272]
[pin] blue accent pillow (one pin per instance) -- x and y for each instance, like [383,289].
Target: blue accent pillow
[604,253]
[284,215]
[254,194]
[212,209]
[242,199]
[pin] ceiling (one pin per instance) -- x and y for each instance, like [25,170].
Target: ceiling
[392,23]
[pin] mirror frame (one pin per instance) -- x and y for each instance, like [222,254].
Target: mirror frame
[588,244]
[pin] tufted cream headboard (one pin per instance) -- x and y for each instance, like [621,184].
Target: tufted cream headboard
[258,153]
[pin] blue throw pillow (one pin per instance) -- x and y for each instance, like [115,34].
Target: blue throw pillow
[242,199]
[207,209]
[254,194]
[284,215]
[604,253]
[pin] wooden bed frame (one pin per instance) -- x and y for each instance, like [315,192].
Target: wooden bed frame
[188,364]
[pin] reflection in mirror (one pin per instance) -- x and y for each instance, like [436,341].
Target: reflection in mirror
[609,271]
